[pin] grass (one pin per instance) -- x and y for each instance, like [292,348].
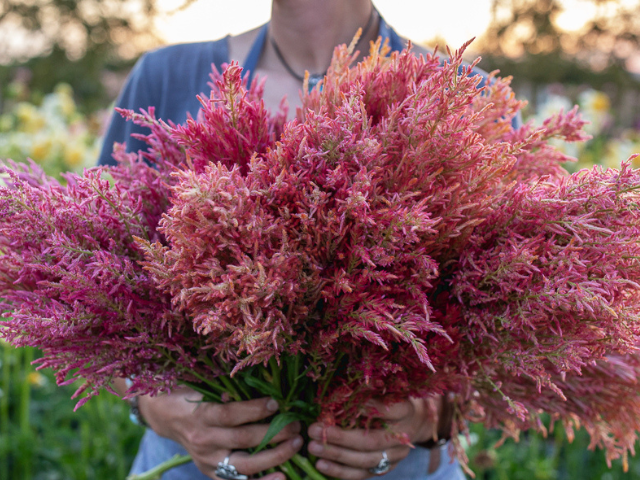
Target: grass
[41,438]
[537,458]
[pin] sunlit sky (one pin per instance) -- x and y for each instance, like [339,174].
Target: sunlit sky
[420,20]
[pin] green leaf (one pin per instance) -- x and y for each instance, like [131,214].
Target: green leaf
[306,409]
[277,424]
[265,388]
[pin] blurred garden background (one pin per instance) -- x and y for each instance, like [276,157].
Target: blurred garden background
[62,63]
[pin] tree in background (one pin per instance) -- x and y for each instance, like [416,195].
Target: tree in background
[73,41]
[609,36]
[526,41]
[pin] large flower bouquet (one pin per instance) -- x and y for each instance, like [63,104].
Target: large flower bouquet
[397,238]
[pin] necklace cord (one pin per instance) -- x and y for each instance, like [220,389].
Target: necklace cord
[300,78]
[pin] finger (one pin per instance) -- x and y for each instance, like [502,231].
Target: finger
[362,440]
[236,413]
[205,440]
[354,458]
[394,412]
[343,472]
[270,476]
[250,464]
[187,394]
[250,436]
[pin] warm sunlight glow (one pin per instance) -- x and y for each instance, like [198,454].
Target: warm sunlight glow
[575,14]
[420,20]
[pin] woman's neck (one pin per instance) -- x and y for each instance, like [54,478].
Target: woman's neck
[307,31]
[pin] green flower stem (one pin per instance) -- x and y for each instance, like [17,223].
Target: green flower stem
[156,472]
[275,373]
[4,402]
[25,391]
[240,387]
[287,468]
[231,390]
[213,385]
[330,376]
[307,467]
[23,409]
[290,471]
[209,396]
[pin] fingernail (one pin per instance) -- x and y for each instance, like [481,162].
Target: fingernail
[297,442]
[272,405]
[315,448]
[315,431]
[322,465]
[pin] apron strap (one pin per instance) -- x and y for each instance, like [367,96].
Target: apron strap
[253,57]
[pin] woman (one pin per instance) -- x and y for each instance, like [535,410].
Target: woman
[300,36]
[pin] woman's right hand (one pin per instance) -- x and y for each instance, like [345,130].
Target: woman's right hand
[209,432]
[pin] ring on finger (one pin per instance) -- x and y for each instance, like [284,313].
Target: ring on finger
[383,465]
[226,471]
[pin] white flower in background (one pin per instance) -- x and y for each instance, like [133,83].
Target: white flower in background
[550,106]
[595,106]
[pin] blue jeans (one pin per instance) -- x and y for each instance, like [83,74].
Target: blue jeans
[155,449]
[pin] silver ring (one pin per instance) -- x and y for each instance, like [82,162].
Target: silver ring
[226,471]
[383,465]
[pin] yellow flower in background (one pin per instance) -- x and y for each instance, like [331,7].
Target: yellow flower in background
[595,100]
[64,95]
[620,149]
[63,89]
[73,156]
[29,119]
[41,150]
[36,379]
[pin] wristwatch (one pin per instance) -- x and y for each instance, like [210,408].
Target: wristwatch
[134,408]
[443,431]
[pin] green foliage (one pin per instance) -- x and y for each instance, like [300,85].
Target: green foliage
[537,458]
[41,438]
[557,67]
[84,75]
[77,27]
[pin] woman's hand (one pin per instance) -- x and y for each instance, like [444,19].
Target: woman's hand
[210,432]
[349,454]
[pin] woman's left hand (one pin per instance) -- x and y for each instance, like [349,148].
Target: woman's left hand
[349,454]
